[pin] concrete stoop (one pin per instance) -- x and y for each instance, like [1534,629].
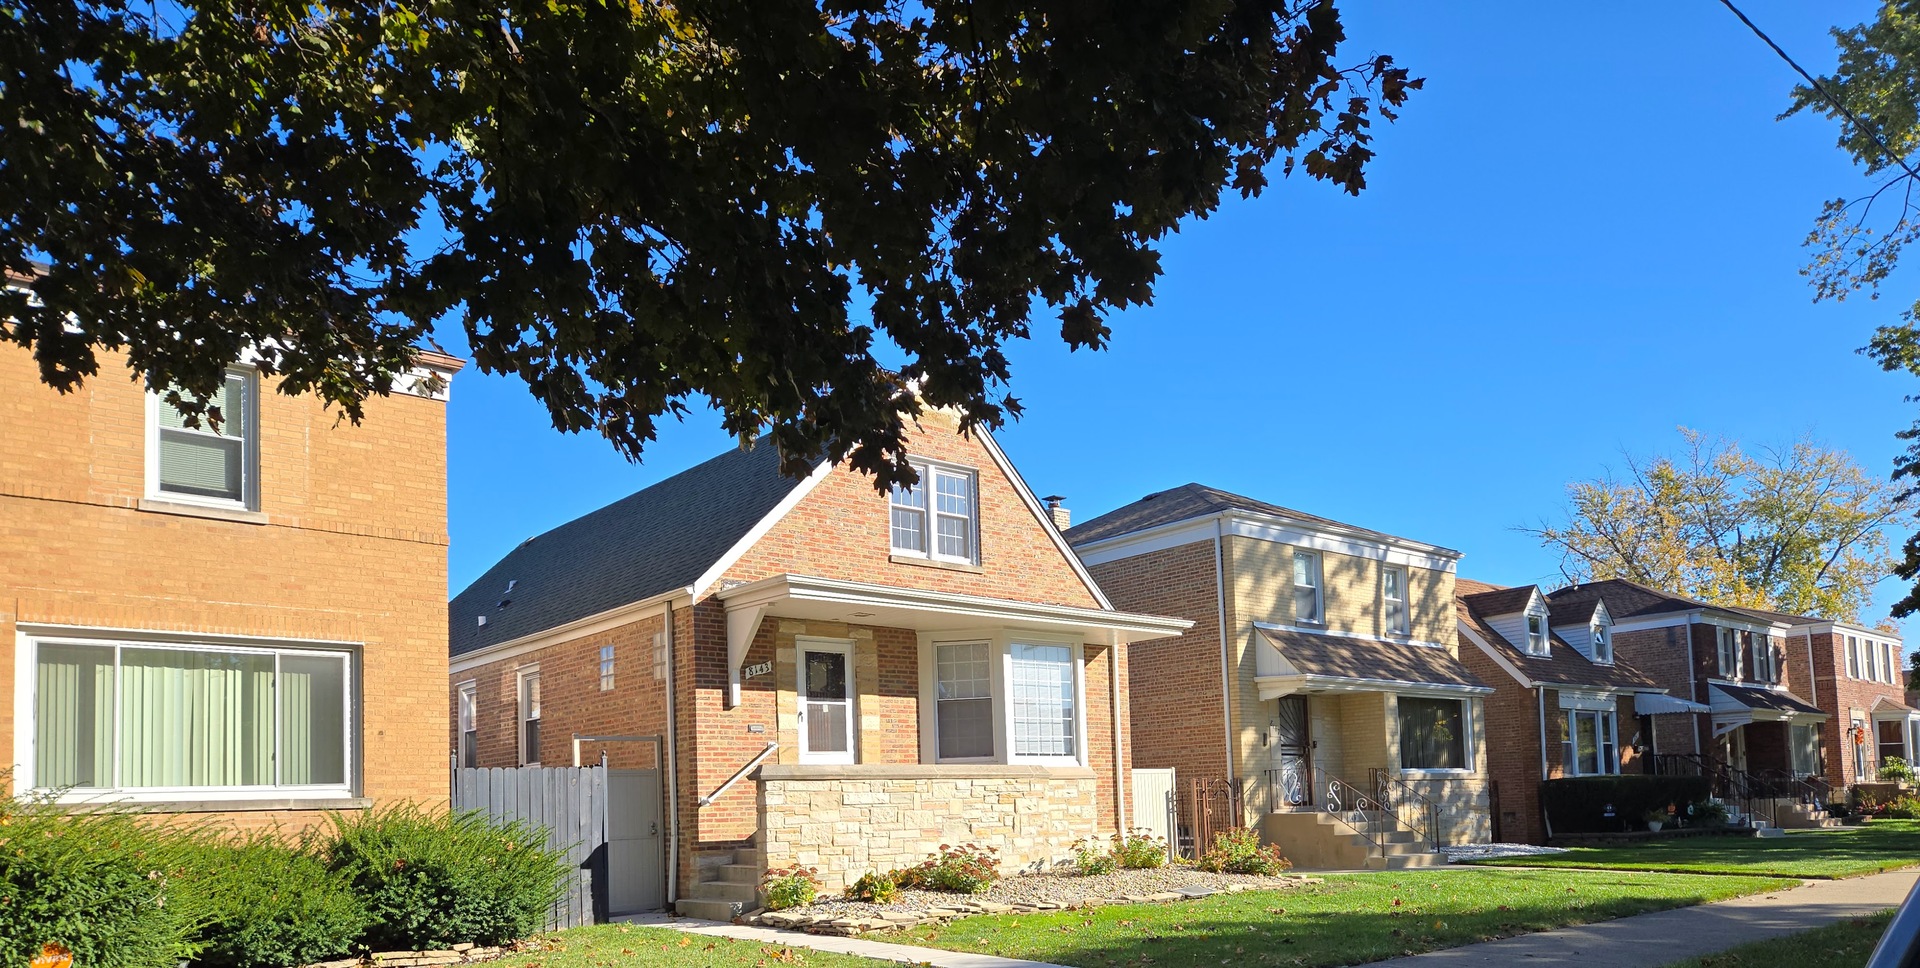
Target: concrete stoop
[725,891]
[1317,840]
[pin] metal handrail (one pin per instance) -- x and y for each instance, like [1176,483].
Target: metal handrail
[1387,788]
[1338,798]
[1734,784]
[742,771]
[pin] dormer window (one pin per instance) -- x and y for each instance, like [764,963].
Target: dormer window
[1602,643]
[936,518]
[1536,633]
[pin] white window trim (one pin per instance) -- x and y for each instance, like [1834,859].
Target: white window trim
[931,514]
[803,644]
[26,656]
[1000,644]
[604,665]
[1405,628]
[249,454]
[1726,641]
[466,694]
[1601,632]
[520,712]
[1604,719]
[1319,588]
[1469,743]
[1852,648]
[1546,633]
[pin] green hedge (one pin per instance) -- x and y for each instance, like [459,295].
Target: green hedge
[1578,805]
[100,884]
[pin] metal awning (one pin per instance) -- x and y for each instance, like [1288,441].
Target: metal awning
[1659,703]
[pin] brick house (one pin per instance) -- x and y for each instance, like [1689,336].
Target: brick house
[1563,704]
[1323,661]
[1857,677]
[891,671]
[246,625]
[1749,705]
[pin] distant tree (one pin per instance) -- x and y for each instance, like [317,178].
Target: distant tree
[636,206]
[1799,528]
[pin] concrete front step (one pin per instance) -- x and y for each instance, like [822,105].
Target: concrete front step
[1396,862]
[725,891]
[738,873]
[709,910]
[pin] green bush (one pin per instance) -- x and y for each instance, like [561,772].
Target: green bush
[789,887]
[874,888]
[1707,813]
[966,869]
[1579,804]
[432,880]
[265,903]
[1903,807]
[1896,770]
[1090,858]
[1238,851]
[98,884]
[1140,850]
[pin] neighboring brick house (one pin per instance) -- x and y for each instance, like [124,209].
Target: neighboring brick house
[245,625]
[1563,704]
[1322,656]
[931,666]
[1857,676]
[1750,708]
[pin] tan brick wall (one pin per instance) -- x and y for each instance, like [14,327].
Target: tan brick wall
[845,825]
[353,549]
[1261,585]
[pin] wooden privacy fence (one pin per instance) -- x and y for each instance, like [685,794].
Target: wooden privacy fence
[571,803]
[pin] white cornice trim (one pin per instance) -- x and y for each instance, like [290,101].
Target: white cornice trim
[808,588]
[1340,634]
[593,624]
[1282,530]
[761,527]
[1040,515]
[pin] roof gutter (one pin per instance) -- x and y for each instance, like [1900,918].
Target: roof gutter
[599,621]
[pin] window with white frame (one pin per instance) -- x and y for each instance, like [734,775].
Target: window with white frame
[1763,658]
[937,518]
[468,716]
[1591,747]
[150,718]
[1867,669]
[203,464]
[1853,657]
[1003,697]
[1536,633]
[1729,649]
[1433,734]
[529,689]
[606,668]
[1602,642]
[1393,599]
[1890,661]
[1306,588]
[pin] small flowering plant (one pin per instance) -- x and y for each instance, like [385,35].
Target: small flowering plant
[790,887]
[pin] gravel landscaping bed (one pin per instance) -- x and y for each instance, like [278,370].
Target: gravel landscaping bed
[1463,853]
[1049,891]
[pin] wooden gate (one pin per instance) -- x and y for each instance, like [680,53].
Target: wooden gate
[1215,806]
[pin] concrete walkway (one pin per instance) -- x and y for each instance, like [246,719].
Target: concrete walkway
[1663,937]
[904,953]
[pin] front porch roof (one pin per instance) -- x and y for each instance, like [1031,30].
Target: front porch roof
[1887,707]
[1736,706]
[863,603]
[1293,662]
[1656,703]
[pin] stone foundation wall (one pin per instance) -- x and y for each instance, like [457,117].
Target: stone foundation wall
[847,820]
[1463,803]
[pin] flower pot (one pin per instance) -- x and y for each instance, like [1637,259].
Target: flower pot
[1653,826]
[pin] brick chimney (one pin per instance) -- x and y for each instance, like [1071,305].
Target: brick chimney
[1061,516]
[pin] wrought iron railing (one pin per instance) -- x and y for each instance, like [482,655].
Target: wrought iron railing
[1755,797]
[1358,811]
[1414,810]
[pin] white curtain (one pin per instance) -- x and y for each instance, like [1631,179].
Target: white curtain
[73,717]
[195,719]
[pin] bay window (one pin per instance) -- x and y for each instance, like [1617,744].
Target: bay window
[1890,736]
[148,718]
[1433,734]
[937,518]
[1002,697]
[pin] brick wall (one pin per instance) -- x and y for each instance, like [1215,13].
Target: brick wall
[1661,655]
[349,546]
[1842,698]
[1513,748]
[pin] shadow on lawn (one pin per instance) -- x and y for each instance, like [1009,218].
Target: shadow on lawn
[1883,845]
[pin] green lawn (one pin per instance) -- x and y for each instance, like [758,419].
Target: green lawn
[1351,918]
[1844,945]
[1882,845]
[621,946]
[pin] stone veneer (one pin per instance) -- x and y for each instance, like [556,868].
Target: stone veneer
[847,820]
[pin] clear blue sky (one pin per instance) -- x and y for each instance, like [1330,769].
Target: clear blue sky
[1584,233]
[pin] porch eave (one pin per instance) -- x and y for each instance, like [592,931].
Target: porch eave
[1281,686]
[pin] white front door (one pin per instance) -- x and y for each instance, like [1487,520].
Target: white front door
[825,678]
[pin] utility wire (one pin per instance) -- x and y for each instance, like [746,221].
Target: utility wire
[1821,89]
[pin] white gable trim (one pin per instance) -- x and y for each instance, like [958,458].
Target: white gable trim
[1506,665]
[760,529]
[1266,527]
[1041,516]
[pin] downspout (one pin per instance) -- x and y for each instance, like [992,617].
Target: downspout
[672,766]
[1226,674]
[1693,689]
[1119,741]
[1540,694]
[1813,678]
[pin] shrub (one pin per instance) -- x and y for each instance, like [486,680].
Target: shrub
[98,884]
[1239,851]
[1140,850]
[1905,807]
[1707,813]
[966,869]
[1579,804]
[263,903]
[1658,815]
[1896,770]
[1091,857]
[789,887]
[874,888]
[440,879]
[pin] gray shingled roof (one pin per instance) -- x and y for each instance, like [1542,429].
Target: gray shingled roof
[1562,665]
[1753,698]
[1338,657]
[1191,501]
[657,539]
[1630,598]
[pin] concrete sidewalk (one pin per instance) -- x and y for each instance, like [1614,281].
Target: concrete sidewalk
[1663,937]
[906,954]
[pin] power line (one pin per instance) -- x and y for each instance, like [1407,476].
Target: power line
[1821,89]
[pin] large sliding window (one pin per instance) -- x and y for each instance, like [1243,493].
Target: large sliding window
[148,718]
[1003,697]
[1433,734]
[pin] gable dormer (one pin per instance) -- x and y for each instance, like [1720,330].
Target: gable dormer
[1520,616]
[1588,627]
